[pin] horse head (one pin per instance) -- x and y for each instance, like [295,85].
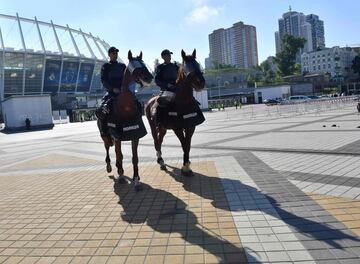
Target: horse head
[190,72]
[138,70]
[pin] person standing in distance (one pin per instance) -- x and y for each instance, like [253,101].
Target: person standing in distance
[112,74]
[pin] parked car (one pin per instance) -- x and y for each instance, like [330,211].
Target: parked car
[313,97]
[271,102]
[298,99]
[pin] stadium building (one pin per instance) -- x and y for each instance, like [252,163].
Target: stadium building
[39,58]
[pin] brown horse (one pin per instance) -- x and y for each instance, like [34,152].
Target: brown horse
[125,122]
[183,114]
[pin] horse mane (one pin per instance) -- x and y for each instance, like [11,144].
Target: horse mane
[180,74]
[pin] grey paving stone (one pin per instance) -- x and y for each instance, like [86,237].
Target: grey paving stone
[321,254]
[349,261]
[329,261]
[343,253]
[274,256]
[299,255]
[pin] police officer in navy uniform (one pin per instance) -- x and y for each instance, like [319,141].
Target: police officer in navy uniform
[165,76]
[166,73]
[112,74]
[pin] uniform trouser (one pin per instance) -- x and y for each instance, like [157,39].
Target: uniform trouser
[106,101]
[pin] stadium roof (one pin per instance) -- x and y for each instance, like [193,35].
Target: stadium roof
[18,34]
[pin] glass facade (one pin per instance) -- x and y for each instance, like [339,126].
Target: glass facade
[85,74]
[13,73]
[28,67]
[34,65]
[69,76]
[96,86]
[52,75]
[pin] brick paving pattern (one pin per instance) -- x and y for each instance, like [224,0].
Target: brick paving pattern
[265,189]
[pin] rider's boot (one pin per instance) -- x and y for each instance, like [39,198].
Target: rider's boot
[103,128]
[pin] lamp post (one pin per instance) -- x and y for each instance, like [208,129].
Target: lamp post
[218,83]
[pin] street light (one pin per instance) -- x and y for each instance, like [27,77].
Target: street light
[218,83]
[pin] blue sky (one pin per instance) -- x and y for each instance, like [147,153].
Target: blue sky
[152,26]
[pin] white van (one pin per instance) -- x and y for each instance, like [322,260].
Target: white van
[298,99]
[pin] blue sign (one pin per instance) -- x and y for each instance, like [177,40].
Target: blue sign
[85,75]
[69,76]
[52,76]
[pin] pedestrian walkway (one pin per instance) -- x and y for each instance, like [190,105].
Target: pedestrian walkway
[265,189]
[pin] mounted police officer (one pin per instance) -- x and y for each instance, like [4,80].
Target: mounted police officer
[112,74]
[165,78]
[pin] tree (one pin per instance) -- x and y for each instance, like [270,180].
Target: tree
[287,57]
[269,74]
[356,65]
[250,80]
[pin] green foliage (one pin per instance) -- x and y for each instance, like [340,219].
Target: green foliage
[286,58]
[270,76]
[297,69]
[356,65]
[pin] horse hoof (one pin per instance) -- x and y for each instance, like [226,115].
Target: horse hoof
[162,167]
[108,168]
[187,173]
[121,180]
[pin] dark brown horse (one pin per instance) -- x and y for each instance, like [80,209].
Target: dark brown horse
[183,114]
[125,122]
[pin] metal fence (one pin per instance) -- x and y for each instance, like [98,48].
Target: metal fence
[287,110]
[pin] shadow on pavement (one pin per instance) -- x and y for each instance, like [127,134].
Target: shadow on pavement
[166,213]
[309,228]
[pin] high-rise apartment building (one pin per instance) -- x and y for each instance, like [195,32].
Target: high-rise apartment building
[317,31]
[297,24]
[235,46]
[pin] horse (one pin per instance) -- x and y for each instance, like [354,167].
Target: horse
[183,114]
[125,122]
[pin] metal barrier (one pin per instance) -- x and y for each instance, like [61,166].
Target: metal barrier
[294,109]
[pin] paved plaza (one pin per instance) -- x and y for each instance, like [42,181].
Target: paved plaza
[266,189]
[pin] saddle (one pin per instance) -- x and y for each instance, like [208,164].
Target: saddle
[165,98]
[125,122]
[181,115]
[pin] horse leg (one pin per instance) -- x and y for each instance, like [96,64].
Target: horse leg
[107,143]
[135,161]
[107,160]
[185,170]
[160,138]
[189,132]
[119,160]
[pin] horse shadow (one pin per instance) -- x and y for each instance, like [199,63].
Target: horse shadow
[307,227]
[166,213]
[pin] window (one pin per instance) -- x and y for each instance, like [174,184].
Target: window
[13,73]
[33,75]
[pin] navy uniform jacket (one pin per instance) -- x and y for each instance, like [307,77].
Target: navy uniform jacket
[166,74]
[112,74]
